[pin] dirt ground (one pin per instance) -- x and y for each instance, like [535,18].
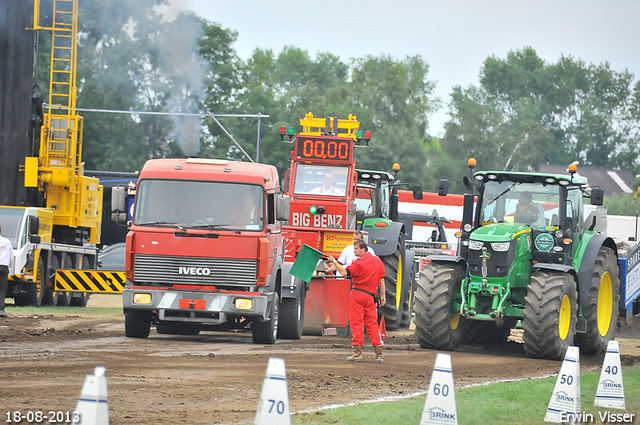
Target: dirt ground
[216,378]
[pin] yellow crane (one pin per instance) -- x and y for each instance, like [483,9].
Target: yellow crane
[62,231]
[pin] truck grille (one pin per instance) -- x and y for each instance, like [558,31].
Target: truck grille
[220,272]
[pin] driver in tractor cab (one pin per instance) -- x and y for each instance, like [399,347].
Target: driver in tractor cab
[327,187]
[530,212]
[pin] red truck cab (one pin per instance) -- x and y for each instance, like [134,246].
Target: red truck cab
[205,248]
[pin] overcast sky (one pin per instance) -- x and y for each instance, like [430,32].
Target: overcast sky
[453,37]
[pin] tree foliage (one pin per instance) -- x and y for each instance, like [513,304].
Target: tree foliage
[524,112]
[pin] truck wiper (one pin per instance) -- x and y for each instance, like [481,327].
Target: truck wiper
[212,227]
[208,226]
[161,223]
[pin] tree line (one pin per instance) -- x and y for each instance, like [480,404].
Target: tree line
[522,113]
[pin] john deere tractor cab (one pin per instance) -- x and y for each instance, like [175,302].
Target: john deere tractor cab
[526,253]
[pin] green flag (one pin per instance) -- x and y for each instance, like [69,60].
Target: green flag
[306,262]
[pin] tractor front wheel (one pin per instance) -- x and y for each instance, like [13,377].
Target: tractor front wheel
[601,311]
[550,314]
[438,325]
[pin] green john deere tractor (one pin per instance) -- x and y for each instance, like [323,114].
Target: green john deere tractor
[526,253]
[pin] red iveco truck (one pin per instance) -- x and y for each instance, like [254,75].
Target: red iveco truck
[205,248]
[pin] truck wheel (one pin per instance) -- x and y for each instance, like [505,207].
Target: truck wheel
[167,328]
[80,299]
[394,285]
[266,332]
[137,323]
[550,314]
[601,311]
[292,315]
[37,290]
[188,328]
[64,297]
[409,292]
[438,287]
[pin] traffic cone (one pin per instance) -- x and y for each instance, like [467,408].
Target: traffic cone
[93,405]
[565,405]
[610,391]
[440,406]
[273,408]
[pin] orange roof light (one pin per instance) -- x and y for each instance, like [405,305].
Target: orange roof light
[471,162]
[396,167]
[573,168]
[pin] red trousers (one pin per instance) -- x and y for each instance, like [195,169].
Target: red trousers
[363,313]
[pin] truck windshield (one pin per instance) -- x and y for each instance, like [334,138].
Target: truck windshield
[11,221]
[320,180]
[199,204]
[518,202]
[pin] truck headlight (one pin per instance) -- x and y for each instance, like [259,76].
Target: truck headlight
[476,245]
[142,298]
[243,304]
[500,246]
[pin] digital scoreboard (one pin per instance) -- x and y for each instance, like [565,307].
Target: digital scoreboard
[324,148]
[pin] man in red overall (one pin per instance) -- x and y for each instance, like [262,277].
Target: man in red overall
[367,272]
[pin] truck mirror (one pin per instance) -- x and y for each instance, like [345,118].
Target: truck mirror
[417,192]
[35,239]
[118,198]
[282,207]
[443,187]
[597,196]
[34,225]
[119,218]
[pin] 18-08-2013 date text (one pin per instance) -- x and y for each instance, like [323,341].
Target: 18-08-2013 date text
[41,417]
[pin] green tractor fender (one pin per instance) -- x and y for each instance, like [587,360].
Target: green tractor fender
[585,259]
[551,267]
[449,259]
[384,240]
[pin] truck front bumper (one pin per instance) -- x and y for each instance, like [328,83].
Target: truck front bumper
[190,306]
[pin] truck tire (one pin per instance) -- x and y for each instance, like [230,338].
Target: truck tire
[394,285]
[601,311]
[137,323]
[436,327]
[167,328]
[64,297]
[409,292]
[188,328]
[550,314]
[80,299]
[266,332]
[38,290]
[292,315]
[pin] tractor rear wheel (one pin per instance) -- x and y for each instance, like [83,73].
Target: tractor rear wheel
[436,326]
[409,292]
[601,311]
[550,314]
[394,284]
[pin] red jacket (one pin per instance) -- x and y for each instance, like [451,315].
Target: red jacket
[366,272]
